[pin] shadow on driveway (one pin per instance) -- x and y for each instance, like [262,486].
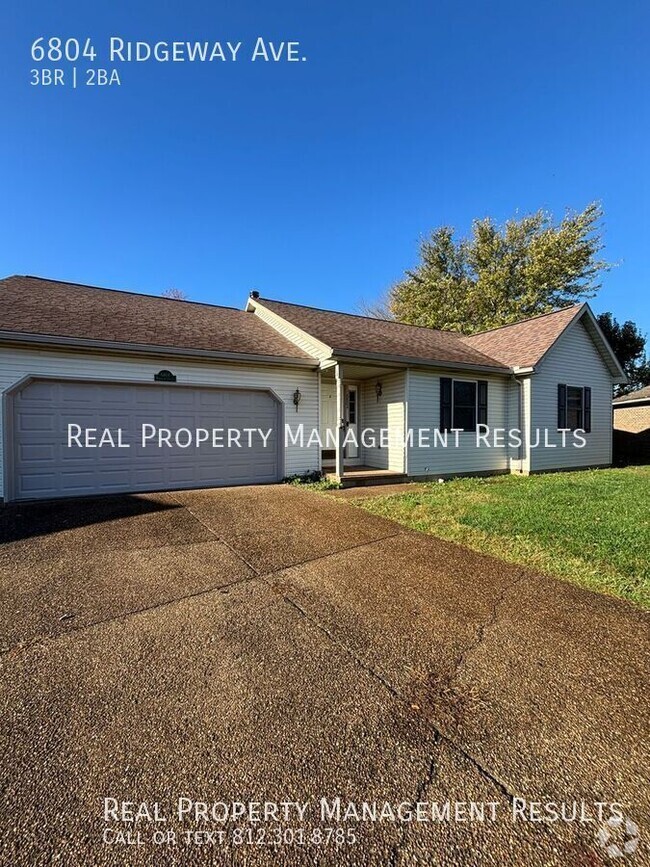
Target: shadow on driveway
[25,520]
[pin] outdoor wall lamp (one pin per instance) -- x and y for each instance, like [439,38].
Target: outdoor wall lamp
[378,390]
[297,397]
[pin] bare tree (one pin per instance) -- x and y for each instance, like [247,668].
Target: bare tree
[378,309]
[175,294]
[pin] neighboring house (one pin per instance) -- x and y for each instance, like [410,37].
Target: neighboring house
[632,427]
[632,411]
[108,359]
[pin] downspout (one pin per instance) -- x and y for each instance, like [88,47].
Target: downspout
[520,410]
[405,430]
[527,372]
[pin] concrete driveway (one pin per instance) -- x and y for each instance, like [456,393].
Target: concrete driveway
[272,644]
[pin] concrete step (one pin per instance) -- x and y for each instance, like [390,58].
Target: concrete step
[358,480]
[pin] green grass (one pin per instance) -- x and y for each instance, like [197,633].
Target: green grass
[314,481]
[591,528]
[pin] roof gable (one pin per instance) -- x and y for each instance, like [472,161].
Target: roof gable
[526,343]
[36,306]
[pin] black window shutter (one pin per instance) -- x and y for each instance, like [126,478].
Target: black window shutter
[445,403]
[587,409]
[482,401]
[561,406]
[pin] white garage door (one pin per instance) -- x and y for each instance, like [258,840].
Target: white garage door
[45,466]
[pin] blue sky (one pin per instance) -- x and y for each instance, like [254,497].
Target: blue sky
[313,181]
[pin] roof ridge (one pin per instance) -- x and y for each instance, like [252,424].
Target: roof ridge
[360,316]
[523,321]
[122,291]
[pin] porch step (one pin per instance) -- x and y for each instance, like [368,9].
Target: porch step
[378,477]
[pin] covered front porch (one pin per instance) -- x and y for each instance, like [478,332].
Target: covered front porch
[363,422]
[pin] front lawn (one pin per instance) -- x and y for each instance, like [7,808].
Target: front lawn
[592,528]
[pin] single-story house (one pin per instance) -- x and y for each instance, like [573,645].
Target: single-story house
[632,427]
[81,367]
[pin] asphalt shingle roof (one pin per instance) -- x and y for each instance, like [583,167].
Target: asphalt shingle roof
[346,332]
[523,344]
[33,305]
[639,394]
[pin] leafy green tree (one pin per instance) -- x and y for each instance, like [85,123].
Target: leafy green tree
[628,344]
[501,274]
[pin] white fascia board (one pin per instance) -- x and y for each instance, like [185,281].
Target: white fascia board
[407,360]
[79,343]
[600,341]
[639,401]
[253,304]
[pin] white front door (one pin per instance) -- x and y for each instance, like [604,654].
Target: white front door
[352,424]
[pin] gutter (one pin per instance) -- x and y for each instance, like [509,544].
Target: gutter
[640,401]
[80,343]
[349,354]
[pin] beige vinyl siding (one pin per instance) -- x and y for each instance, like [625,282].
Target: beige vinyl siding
[298,337]
[388,412]
[424,412]
[574,361]
[15,364]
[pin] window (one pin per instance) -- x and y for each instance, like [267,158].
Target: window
[352,406]
[574,408]
[463,404]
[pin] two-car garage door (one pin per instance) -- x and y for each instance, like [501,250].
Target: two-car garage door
[44,465]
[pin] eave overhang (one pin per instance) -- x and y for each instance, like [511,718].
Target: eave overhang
[349,355]
[23,339]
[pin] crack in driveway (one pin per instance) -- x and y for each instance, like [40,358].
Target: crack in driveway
[218,588]
[488,624]
[439,735]
[425,782]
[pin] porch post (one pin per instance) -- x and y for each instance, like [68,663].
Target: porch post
[340,425]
